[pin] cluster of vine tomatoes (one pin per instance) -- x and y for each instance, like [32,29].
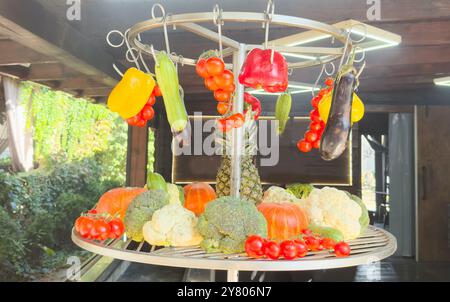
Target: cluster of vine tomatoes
[217,79]
[313,135]
[258,247]
[228,123]
[99,227]
[147,113]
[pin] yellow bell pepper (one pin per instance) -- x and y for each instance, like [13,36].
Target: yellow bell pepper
[131,93]
[357,107]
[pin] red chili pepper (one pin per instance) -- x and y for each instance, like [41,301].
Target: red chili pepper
[254,103]
[259,71]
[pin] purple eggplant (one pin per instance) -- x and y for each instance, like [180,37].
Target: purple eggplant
[337,131]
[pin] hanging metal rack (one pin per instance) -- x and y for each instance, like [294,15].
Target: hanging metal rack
[374,245]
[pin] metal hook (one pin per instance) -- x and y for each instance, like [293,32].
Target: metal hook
[110,43]
[364,36]
[363,54]
[117,70]
[152,49]
[333,70]
[217,11]
[345,50]
[318,79]
[268,13]
[163,20]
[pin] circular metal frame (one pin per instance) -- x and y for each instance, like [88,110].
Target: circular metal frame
[290,21]
[382,246]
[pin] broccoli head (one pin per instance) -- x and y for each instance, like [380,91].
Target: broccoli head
[141,210]
[300,190]
[227,222]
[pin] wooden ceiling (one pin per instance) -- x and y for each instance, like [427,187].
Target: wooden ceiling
[80,61]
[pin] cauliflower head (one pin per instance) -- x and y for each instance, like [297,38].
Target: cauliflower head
[276,194]
[330,207]
[172,225]
[141,210]
[227,222]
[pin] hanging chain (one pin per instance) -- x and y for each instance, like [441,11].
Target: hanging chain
[217,11]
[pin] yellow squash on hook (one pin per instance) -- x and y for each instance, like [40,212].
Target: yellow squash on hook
[357,107]
[131,93]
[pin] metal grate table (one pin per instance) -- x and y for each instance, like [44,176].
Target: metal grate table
[375,245]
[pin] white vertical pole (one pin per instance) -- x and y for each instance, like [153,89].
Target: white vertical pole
[237,134]
[232,275]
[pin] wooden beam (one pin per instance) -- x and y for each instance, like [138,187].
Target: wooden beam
[55,38]
[12,53]
[79,82]
[137,156]
[15,71]
[52,71]
[95,91]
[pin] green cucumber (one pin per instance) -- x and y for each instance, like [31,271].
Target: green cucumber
[282,111]
[155,181]
[327,232]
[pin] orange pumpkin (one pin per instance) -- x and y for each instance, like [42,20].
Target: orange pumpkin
[284,220]
[117,200]
[197,195]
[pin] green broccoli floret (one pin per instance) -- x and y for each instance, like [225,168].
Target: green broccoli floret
[141,210]
[227,222]
[300,190]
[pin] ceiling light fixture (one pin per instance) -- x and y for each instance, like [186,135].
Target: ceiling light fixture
[442,81]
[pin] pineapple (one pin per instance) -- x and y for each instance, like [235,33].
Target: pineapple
[251,188]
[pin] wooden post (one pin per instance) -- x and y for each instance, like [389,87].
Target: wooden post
[137,156]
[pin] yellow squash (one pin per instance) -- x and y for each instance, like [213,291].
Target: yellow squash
[131,93]
[357,108]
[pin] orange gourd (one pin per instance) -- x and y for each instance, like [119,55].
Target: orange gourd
[116,201]
[197,195]
[284,220]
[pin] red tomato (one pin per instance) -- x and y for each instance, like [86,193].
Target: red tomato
[78,222]
[210,84]
[117,228]
[237,119]
[214,66]
[132,121]
[288,249]
[200,68]
[328,243]
[151,100]
[102,229]
[329,82]
[230,88]
[148,113]
[272,250]
[92,211]
[254,246]
[306,232]
[141,123]
[315,126]
[157,91]
[311,136]
[224,125]
[304,146]
[322,92]
[85,226]
[315,116]
[313,243]
[301,248]
[342,249]
[315,101]
[316,144]
[221,96]
[225,79]
[222,107]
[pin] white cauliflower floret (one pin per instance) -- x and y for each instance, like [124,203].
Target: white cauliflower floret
[333,208]
[172,225]
[278,195]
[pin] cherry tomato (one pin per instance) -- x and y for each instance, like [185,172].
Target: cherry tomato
[272,250]
[288,249]
[316,144]
[328,243]
[254,246]
[78,222]
[210,84]
[148,113]
[214,66]
[237,119]
[313,243]
[315,126]
[315,101]
[102,228]
[304,146]
[230,88]
[222,107]
[322,92]
[315,116]
[157,91]
[85,226]
[342,249]
[221,96]
[200,68]
[225,79]
[117,228]
[224,125]
[329,82]
[92,211]
[141,123]
[306,232]
[311,136]
[132,121]
[151,100]
[301,248]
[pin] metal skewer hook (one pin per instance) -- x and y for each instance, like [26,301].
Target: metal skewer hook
[270,10]
[217,11]
[163,20]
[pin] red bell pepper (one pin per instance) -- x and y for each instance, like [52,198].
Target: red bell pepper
[254,103]
[259,71]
